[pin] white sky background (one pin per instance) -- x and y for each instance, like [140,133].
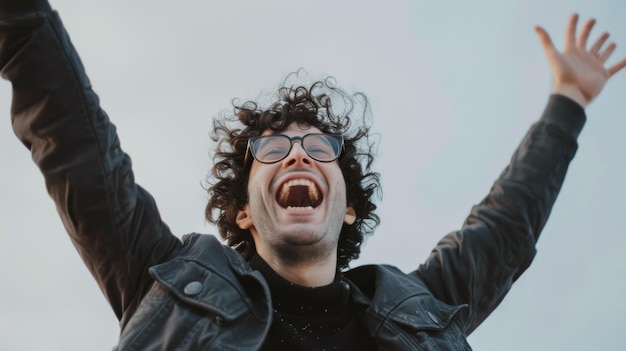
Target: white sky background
[454,85]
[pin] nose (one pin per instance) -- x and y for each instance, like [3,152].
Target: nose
[297,156]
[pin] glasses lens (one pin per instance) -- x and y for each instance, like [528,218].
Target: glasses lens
[271,148]
[322,147]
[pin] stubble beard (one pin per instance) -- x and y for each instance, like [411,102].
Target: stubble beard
[293,250]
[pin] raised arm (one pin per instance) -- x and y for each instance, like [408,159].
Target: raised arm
[477,264]
[114,223]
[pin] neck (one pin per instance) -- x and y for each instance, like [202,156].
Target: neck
[310,273]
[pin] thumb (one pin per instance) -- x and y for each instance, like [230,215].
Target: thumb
[546,41]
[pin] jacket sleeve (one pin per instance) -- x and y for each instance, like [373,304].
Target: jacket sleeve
[478,264]
[113,223]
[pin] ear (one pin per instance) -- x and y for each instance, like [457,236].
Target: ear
[350,216]
[244,220]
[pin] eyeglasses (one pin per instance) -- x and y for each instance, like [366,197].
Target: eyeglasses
[273,148]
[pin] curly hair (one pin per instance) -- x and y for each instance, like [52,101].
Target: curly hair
[321,105]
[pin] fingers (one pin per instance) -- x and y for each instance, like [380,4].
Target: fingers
[595,49]
[578,44]
[607,52]
[570,34]
[584,35]
[617,67]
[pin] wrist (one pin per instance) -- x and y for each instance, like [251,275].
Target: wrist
[571,92]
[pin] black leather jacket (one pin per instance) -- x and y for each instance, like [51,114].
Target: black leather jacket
[197,294]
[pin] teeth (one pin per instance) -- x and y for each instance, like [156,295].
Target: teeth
[293,208]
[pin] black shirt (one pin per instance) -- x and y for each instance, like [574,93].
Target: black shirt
[305,318]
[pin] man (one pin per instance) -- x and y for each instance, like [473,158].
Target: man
[292,197]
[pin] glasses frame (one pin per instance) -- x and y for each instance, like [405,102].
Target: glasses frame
[251,140]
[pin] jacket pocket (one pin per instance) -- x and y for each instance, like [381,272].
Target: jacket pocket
[203,288]
[191,307]
[425,323]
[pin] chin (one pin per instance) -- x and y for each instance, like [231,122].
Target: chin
[302,236]
[305,248]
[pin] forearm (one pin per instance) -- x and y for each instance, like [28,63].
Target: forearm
[57,116]
[526,190]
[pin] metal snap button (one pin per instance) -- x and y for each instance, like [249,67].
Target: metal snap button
[193,288]
[432,317]
[219,320]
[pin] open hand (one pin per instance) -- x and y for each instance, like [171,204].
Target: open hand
[579,73]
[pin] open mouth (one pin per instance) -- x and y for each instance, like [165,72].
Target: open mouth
[299,194]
